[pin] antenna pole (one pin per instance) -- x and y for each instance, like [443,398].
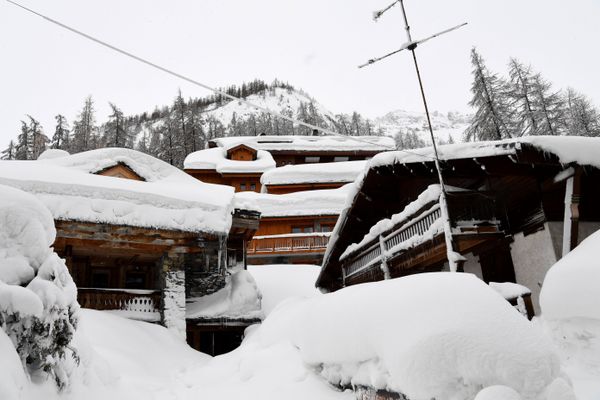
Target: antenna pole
[451,254]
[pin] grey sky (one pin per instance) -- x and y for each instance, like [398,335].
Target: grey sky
[314,44]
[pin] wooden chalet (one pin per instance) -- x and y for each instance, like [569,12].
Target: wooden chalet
[515,207]
[140,237]
[294,228]
[239,166]
[294,150]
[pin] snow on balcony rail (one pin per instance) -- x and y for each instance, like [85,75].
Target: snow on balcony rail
[289,243]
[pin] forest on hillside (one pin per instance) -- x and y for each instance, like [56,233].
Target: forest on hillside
[521,103]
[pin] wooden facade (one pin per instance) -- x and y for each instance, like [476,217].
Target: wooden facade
[300,187]
[292,239]
[120,170]
[522,190]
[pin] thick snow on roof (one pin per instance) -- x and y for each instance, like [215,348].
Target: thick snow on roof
[168,199]
[240,298]
[311,143]
[52,153]
[344,171]
[583,150]
[310,202]
[216,159]
[432,335]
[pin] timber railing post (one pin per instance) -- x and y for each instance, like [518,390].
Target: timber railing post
[383,258]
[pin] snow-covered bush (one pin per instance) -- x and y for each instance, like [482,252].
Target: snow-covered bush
[433,335]
[38,299]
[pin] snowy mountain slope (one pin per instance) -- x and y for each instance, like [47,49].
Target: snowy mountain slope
[283,101]
[452,124]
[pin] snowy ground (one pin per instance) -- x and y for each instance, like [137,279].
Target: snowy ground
[436,335]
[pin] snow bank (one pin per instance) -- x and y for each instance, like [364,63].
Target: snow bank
[510,290]
[167,199]
[279,282]
[240,298]
[216,159]
[310,202]
[310,143]
[570,303]
[571,288]
[434,335]
[345,171]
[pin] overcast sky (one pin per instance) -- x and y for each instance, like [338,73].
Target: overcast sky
[316,45]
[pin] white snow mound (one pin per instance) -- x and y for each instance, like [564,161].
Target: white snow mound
[434,335]
[571,288]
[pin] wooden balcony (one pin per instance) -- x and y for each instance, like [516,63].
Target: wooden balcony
[289,244]
[416,242]
[135,301]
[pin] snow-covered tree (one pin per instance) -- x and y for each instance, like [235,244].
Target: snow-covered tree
[582,118]
[61,138]
[84,128]
[22,150]
[521,95]
[10,153]
[408,140]
[115,132]
[550,106]
[493,117]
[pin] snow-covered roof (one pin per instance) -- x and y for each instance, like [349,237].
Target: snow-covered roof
[216,159]
[569,149]
[344,171]
[167,199]
[310,202]
[311,143]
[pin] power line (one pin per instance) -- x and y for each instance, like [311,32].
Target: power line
[200,84]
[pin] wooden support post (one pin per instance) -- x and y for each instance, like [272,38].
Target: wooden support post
[384,264]
[571,218]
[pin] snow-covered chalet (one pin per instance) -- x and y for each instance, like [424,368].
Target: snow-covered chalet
[146,240]
[515,208]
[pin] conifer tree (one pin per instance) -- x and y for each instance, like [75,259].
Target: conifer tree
[582,118]
[550,106]
[521,95]
[61,139]
[22,150]
[84,128]
[10,153]
[116,134]
[493,116]
[38,140]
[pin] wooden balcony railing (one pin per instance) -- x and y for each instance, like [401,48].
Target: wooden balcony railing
[292,243]
[134,300]
[465,208]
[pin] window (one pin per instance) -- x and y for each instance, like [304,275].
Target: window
[135,280]
[302,229]
[100,279]
[252,186]
[312,159]
[242,186]
[326,228]
[340,158]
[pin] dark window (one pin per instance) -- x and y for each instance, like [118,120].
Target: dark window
[296,229]
[252,186]
[100,279]
[135,280]
[326,228]
[242,186]
[311,159]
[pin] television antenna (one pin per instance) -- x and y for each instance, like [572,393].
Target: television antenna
[410,44]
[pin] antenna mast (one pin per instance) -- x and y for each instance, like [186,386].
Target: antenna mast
[453,257]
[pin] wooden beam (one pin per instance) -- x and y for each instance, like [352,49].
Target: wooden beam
[571,218]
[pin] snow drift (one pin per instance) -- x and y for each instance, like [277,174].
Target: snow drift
[435,335]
